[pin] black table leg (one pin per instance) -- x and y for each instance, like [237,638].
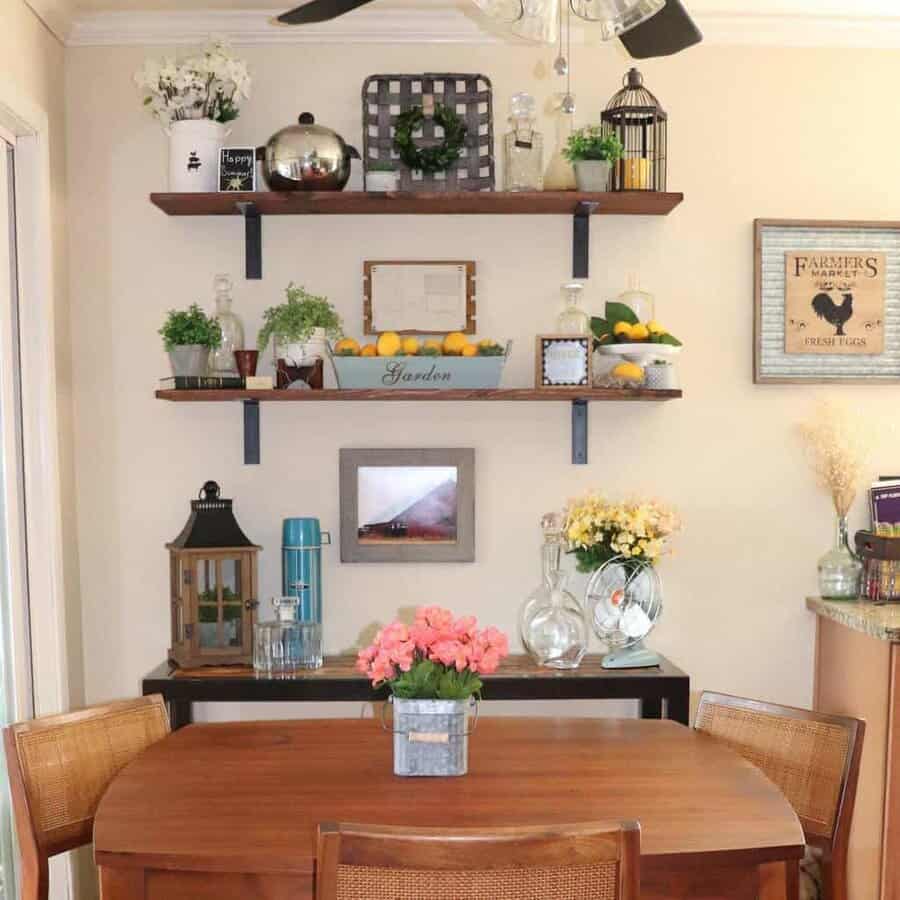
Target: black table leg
[180,713]
[678,704]
[651,707]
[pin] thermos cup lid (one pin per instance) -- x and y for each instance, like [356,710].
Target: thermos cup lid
[301,533]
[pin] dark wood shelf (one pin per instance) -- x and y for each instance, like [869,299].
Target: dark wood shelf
[494,395]
[346,203]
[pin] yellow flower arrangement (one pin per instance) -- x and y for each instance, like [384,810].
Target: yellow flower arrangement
[597,530]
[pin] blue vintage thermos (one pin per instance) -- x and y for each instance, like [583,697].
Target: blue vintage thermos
[301,565]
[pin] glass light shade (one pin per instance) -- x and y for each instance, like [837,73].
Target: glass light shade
[615,17]
[532,20]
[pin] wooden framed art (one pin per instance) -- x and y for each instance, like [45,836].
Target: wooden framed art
[412,297]
[407,505]
[826,301]
[563,360]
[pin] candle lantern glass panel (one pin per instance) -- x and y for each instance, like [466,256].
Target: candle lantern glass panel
[214,586]
[636,117]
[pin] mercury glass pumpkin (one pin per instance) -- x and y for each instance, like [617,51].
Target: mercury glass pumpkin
[552,623]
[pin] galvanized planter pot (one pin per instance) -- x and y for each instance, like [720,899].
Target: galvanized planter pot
[431,737]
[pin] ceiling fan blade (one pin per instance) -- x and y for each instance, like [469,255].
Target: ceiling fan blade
[667,32]
[319,11]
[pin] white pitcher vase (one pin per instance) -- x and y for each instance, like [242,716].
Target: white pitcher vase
[194,146]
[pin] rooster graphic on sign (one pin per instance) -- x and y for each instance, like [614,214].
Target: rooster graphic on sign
[837,314]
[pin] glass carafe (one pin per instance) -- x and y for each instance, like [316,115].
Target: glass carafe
[839,568]
[552,623]
[523,170]
[560,174]
[573,319]
[222,361]
[640,302]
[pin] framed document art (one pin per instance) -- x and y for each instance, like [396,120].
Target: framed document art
[563,360]
[419,297]
[827,301]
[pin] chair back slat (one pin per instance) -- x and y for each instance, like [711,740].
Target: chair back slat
[566,862]
[60,767]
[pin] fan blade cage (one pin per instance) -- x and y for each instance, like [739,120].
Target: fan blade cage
[616,17]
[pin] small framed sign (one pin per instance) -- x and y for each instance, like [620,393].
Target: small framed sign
[237,169]
[563,360]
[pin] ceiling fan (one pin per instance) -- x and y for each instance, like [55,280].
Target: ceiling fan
[647,28]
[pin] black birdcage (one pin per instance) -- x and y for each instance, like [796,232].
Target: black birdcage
[635,115]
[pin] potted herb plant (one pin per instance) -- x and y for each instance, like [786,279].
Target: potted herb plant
[193,100]
[299,327]
[592,153]
[188,336]
[382,176]
[432,669]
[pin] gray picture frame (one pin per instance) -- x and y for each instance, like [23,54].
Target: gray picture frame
[461,550]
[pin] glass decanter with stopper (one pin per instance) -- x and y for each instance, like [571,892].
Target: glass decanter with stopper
[839,569]
[573,319]
[560,174]
[640,302]
[552,623]
[524,147]
[222,361]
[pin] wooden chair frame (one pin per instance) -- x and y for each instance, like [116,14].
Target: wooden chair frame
[383,846]
[36,846]
[834,849]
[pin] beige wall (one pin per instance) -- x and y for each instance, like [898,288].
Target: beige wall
[754,132]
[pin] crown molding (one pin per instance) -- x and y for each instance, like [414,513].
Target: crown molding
[449,25]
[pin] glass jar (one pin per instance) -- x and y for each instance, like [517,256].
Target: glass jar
[573,319]
[524,147]
[552,622]
[560,174]
[222,361]
[640,302]
[839,569]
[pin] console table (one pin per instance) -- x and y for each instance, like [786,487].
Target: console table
[517,679]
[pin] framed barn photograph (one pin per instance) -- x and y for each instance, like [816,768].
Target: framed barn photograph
[407,505]
[827,301]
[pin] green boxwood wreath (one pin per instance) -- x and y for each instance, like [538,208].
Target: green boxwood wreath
[429,159]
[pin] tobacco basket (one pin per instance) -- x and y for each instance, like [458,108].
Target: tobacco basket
[384,97]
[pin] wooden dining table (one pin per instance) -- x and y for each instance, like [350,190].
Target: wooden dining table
[222,811]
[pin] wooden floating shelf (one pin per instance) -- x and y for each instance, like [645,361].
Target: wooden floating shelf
[459,395]
[578,397]
[465,203]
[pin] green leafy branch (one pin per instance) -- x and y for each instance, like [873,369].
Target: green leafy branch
[428,680]
[604,327]
[297,318]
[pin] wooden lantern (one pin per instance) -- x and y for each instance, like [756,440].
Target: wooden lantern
[213,569]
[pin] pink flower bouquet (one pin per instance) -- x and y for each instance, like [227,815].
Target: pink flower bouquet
[436,658]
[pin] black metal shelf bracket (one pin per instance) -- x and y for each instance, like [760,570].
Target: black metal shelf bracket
[252,239]
[579,432]
[251,432]
[581,237]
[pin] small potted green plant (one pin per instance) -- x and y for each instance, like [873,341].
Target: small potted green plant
[382,176]
[592,153]
[299,327]
[188,336]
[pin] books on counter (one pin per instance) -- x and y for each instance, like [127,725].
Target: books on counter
[216,383]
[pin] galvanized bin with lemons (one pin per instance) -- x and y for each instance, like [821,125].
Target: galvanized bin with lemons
[394,361]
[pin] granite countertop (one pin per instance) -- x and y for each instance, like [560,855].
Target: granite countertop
[878,621]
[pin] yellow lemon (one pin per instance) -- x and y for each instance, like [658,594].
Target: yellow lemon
[432,348]
[628,371]
[410,346]
[655,328]
[487,342]
[622,330]
[639,332]
[388,344]
[454,343]
[346,347]
[469,350]
[369,350]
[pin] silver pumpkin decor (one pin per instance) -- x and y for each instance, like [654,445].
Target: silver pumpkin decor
[307,157]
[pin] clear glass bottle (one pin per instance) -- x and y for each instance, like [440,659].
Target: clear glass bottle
[560,174]
[641,303]
[839,569]
[552,622]
[573,319]
[524,168]
[221,361]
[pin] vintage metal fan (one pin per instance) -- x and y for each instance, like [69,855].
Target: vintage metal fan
[624,602]
[646,27]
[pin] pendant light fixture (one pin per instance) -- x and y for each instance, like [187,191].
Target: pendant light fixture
[615,17]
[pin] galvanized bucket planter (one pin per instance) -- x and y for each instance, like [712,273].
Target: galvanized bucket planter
[431,737]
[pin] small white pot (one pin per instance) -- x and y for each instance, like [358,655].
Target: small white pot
[303,353]
[592,174]
[189,359]
[661,377]
[382,182]
[194,146]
